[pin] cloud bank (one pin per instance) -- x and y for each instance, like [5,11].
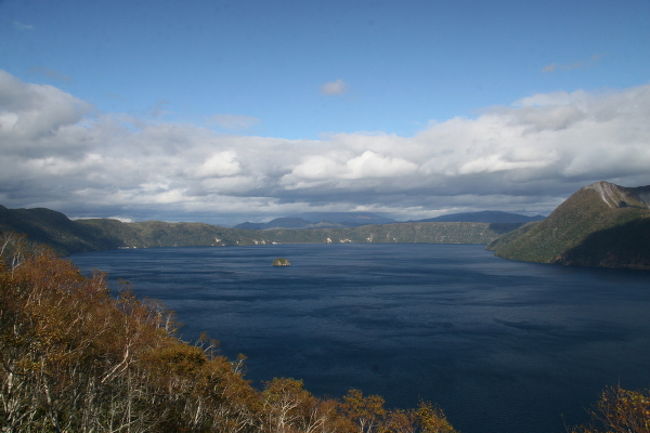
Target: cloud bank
[57,152]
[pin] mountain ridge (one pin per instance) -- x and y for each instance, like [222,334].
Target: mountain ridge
[356,219]
[486,216]
[309,220]
[601,224]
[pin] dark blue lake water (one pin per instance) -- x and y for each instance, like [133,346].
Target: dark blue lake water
[501,346]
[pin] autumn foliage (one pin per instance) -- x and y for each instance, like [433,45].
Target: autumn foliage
[620,411]
[76,359]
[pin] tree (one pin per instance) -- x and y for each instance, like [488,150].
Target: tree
[619,411]
[367,413]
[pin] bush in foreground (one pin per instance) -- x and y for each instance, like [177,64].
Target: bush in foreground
[620,411]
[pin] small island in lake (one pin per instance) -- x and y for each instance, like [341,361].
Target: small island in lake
[281,261]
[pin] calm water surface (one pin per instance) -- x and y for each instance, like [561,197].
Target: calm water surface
[501,346]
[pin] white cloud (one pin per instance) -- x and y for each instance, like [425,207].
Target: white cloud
[318,167]
[34,111]
[371,165]
[527,156]
[337,87]
[342,167]
[219,165]
[494,163]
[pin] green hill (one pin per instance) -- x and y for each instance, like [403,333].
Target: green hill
[602,224]
[149,234]
[56,230]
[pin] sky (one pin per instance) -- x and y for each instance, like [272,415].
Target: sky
[230,111]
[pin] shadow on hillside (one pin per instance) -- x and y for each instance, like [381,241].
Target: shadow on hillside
[626,245]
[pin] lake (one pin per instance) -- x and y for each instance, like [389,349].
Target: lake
[501,346]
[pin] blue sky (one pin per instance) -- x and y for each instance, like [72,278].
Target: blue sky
[405,63]
[312,70]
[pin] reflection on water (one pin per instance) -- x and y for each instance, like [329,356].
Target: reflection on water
[502,346]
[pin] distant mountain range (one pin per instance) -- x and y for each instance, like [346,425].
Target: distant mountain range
[66,236]
[602,224]
[356,219]
[487,216]
[319,220]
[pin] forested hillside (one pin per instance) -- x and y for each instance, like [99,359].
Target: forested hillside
[68,236]
[56,230]
[602,224]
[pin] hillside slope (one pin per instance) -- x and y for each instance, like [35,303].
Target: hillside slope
[56,230]
[150,234]
[602,224]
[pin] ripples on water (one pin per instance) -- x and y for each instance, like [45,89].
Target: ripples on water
[501,346]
